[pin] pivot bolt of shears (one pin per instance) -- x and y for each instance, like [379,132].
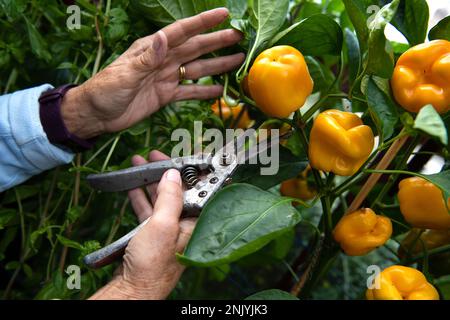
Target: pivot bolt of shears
[202,194]
[226,159]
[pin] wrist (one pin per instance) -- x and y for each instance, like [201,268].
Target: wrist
[76,112]
[120,289]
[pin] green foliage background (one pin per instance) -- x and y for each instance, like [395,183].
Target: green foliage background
[54,219]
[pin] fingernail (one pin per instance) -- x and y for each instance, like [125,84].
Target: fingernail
[174,176]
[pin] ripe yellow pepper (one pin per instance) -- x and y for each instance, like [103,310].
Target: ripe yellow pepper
[339,142]
[299,187]
[402,283]
[414,242]
[422,76]
[232,113]
[362,231]
[279,81]
[422,204]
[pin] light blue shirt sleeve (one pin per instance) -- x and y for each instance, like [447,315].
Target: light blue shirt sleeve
[24,148]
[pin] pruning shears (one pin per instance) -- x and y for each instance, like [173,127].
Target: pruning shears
[202,175]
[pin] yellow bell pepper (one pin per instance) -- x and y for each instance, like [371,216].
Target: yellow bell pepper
[422,76]
[402,283]
[299,187]
[362,231]
[279,81]
[415,242]
[422,204]
[233,113]
[339,142]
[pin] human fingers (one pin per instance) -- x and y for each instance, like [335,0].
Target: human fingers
[154,156]
[186,228]
[197,92]
[203,44]
[184,29]
[208,67]
[138,198]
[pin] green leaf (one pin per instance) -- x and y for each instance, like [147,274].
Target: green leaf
[430,122]
[37,42]
[267,18]
[442,181]
[380,56]
[290,166]
[6,215]
[12,265]
[323,77]
[280,247]
[382,109]
[27,270]
[272,294]
[139,128]
[315,36]
[307,9]
[353,54]
[359,12]
[237,8]
[74,213]
[238,221]
[165,12]
[118,25]
[23,191]
[69,243]
[412,20]
[13,8]
[441,30]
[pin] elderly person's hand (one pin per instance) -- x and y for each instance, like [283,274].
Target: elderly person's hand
[150,269]
[146,77]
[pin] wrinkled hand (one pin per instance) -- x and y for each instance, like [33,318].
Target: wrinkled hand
[150,269]
[146,76]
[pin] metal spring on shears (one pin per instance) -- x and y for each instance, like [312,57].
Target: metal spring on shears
[190,176]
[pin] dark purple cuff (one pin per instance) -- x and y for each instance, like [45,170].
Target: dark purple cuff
[53,124]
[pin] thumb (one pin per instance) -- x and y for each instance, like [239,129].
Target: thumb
[169,201]
[155,54]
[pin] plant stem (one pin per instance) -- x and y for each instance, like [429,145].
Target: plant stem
[318,104]
[100,48]
[374,177]
[393,178]
[103,147]
[117,222]
[110,153]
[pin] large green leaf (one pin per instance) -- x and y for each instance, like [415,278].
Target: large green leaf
[430,122]
[323,77]
[380,56]
[237,8]
[441,30]
[238,221]
[382,109]
[353,54]
[267,18]
[359,12]
[272,294]
[442,181]
[38,44]
[315,36]
[164,12]
[289,167]
[412,20]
